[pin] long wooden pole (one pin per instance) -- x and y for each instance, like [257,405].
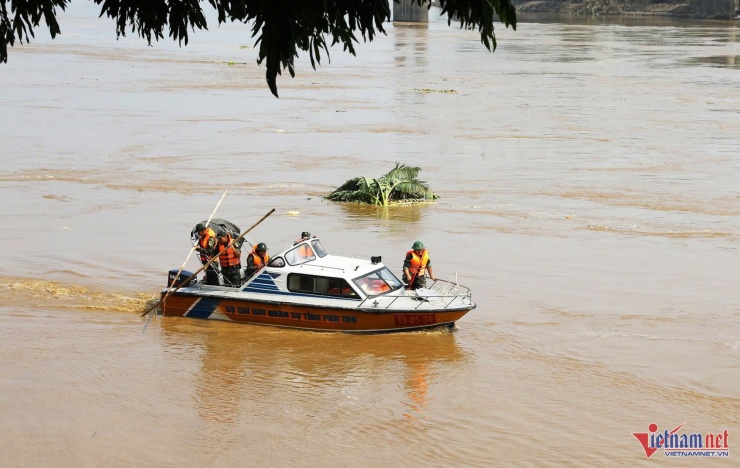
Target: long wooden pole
[241,236]
[195,247]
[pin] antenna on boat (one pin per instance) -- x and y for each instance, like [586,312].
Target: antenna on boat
[187,280]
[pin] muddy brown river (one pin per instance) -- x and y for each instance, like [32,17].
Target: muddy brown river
[589,174]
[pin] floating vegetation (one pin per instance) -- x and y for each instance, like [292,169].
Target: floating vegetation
[399,186]
[429,90]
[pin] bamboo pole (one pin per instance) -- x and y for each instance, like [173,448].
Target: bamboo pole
[195,247]
[241,236]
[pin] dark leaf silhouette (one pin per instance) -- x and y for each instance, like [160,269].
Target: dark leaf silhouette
[282,27]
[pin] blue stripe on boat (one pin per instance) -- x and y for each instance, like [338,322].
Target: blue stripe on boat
[262,283]
[204,307]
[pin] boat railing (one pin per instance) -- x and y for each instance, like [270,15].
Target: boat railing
[440,292]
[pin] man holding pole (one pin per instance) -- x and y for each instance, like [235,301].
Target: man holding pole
[416,266]
[165,295]
[230,258]
[207,249]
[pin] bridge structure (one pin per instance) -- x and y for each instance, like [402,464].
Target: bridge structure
[409,11]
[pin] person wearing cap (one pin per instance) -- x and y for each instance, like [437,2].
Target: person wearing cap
[304,251]
[416,266]
[257,259]
[230,260]
[304,236]
[206,246]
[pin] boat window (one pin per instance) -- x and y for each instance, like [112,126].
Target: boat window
[390,278]
[300,254]
[321,285]
[378,282]
[318,248]
[277,262]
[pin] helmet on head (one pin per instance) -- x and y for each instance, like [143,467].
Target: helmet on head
[200,227]
[417,245]
[305,235]
[261,246]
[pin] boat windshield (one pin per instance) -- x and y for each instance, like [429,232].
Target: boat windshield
[378,282]
[318,248]
[300,254]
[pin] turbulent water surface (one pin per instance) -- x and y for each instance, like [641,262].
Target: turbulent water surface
[590,185]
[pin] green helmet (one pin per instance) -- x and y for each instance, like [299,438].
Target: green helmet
[417,245]
[261,246]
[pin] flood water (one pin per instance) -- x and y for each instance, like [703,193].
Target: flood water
[589,175]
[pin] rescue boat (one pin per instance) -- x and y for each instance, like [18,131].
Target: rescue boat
[305,287]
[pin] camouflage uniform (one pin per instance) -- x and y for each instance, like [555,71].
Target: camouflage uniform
[421,280]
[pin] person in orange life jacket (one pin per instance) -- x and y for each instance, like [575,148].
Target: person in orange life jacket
[304,251]
[206,246]
[230,260]
[257,259]
[346,291]
[416,265]
[374,285]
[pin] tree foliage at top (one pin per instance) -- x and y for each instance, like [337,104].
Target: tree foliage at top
[398,185]
[281,27]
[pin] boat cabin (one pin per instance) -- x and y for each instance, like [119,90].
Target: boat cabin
[306,268]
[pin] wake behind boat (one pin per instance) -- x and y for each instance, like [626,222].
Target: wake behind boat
[305,287]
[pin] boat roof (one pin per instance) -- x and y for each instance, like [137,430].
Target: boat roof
[335,265]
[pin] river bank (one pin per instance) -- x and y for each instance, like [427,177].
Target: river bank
[695,9]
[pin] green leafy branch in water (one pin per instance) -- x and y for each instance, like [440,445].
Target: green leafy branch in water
[400,185]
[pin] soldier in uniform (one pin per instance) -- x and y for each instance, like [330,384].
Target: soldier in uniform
[416,265]
[230,259]
[257,259]
[207,248]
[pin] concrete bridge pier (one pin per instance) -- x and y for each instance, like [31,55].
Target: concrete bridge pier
[409,11]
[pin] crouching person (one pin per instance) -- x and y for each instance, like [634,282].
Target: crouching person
[257,259]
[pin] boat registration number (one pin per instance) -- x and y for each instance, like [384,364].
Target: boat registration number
[415,319]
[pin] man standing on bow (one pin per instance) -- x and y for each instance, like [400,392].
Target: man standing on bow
[416,265]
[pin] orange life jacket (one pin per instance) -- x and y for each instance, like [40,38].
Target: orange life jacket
[258,261]
[346,291]
[305,251]
[418,264]
[230,257]
[203,241]
[379,286]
